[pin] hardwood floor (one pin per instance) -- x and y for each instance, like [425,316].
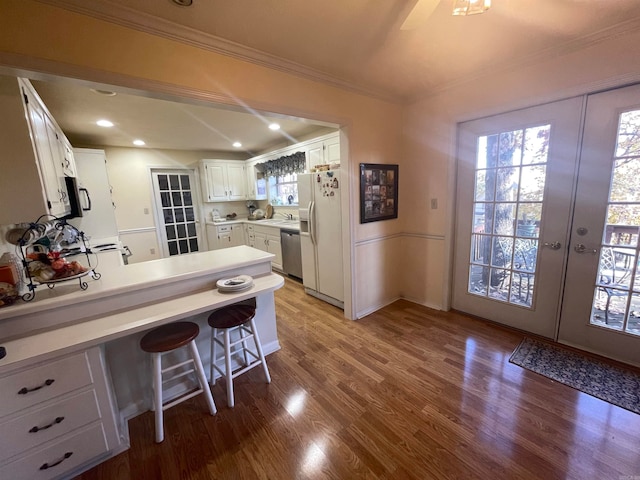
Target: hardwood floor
[406,393]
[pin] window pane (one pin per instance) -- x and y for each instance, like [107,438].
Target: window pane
[507,213]
[163,183]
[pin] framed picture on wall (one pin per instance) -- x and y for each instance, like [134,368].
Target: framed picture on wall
[378,192]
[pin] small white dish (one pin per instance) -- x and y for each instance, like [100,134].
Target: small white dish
[236,283]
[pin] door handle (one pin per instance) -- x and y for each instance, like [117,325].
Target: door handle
[552,245]
[581,248]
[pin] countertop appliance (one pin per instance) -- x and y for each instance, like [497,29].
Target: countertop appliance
[291,253]
[321,235]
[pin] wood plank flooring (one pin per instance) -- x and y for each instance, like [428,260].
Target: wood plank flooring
[406,393]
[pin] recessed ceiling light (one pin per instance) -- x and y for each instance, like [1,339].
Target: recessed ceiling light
[237,144]
[139,142]
[106,93]
[274,126]
[104,123]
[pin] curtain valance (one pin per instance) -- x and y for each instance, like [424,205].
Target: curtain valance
[294,163]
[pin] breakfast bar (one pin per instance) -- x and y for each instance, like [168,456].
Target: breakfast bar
[69,343]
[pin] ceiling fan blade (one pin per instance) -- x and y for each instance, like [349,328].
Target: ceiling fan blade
[419,14]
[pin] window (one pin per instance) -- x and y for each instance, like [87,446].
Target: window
[283,189]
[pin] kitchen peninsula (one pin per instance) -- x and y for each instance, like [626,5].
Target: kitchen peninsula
[69,343]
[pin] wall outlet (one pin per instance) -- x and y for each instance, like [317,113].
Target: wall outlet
[434,204]
[152,251]
[146,211]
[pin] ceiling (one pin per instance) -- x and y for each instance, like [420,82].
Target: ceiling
[163,124]
[359,44]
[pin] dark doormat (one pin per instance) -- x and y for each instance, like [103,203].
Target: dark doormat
[590,375]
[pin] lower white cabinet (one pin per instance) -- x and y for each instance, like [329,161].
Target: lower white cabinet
[56,418]
[268,240]
[224,236]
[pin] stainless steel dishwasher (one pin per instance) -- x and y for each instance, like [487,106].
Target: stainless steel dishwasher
[291,253]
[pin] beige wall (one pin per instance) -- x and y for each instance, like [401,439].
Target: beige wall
[430,134]
[130,176]
[38,37]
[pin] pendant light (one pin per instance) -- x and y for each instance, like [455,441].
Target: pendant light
[470,7]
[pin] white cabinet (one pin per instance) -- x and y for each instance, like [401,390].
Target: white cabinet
[223,180]
[323,151]
[32,182]
[56,416]
[69,167]
[256,182]
[224,236]
[268,240]
[49,143]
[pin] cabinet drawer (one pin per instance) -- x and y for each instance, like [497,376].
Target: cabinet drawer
[44,382]
[59,457]
[35,428]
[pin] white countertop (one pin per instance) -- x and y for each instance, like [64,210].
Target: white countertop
[138,276]
[41,346]
[280,223]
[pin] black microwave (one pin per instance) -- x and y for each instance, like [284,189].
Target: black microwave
[76,196]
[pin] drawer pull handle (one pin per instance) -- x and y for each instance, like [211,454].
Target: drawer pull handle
[37,429]
[46,465]
[25,390]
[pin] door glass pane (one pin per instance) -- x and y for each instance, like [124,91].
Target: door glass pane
[509,192]
[616,300]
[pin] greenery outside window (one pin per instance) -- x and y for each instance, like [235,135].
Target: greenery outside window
[283,189]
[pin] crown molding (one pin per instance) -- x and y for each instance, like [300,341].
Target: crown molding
[127,17]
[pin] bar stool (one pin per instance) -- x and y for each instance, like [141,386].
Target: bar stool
[235,318]
[163,340]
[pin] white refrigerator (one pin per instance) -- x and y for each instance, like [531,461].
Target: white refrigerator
[99,222]
[321,235]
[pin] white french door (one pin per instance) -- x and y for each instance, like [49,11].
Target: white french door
[601,304]
[548,220]
[514,192]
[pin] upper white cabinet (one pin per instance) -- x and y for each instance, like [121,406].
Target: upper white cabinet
[256,182]
[323,151]
[68,159]
[32,182]
[223,180]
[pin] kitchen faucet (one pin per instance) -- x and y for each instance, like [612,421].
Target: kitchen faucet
[288,216]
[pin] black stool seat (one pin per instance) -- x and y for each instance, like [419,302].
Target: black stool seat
[169,337]
[231,316]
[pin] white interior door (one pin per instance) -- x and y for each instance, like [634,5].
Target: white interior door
[601,305]
[515,184]
[176,216]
